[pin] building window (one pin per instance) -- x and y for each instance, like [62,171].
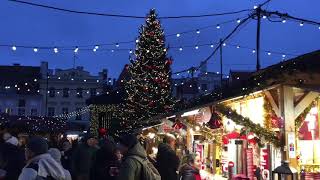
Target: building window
[22,103]
[8,111]
[78,116]
[65,92]
[93,92]
[50,111]
[79,92]
[204,87]
[52,92]
[65,110]
[34,112]
[21,111]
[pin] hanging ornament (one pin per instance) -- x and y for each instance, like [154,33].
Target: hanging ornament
[178,125]
[151,33]
[102,131]
[169,62]
[215,121]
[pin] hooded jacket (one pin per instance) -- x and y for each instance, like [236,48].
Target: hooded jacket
[187,172]
[131,168]
[47,166]
[167,162]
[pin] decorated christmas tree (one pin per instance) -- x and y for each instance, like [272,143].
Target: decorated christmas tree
[149,86]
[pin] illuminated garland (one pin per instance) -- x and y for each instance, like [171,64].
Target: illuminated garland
[269,113]
[299,120]
[248,124]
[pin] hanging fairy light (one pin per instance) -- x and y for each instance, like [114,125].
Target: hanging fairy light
[112,50]
[178,35]
[35,50]
[94,50]
[198,31]
[55,50]
[253,51]
[238,21]
[283,55]
[96,47]
[238,47]
[218,26]
[76,50]
[269,53]
[14,48]
[224,44]
[264,17]
[196,47]
[284,20]
[301,24]
[130,52]
[117,45]
[180,49]
[211,45]
[137,40]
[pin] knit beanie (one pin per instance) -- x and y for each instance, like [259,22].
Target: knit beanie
[38,145]
[128,140]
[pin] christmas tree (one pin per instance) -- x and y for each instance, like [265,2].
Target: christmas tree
[149,86]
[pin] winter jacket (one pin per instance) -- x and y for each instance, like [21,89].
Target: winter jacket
[66,159]
[131,168]
[13,160]
[46,167]
[188,172]
[167,162]
[82,161]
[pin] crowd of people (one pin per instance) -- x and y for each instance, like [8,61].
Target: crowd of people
[91,159]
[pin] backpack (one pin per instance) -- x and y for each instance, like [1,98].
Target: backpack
[148,171]
[35,167]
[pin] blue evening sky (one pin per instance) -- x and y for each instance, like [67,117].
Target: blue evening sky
[32,26]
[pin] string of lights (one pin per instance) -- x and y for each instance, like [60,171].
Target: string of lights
[83,110]
[128,16]
[100,46]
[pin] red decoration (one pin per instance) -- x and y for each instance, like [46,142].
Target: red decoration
[215,121]
[102,131]
[169,61]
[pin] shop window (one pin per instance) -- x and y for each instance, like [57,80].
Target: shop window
[51,111]
[52,92]
[21,111]
[34,112]
[65,92]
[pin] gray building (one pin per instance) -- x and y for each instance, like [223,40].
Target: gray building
[65,91]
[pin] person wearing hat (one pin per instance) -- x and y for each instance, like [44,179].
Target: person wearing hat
[83,158]
[56,155]
[134,154]
[40,165]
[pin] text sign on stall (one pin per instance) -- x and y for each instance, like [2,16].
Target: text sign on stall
[291,145]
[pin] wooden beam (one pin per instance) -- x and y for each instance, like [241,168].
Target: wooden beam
[273,103]
[304,103]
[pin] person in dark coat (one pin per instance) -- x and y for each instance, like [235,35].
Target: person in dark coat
[188,171]
[12,159]
[66,155]
[107,163]
[83,159]
[167,160]
[131,168]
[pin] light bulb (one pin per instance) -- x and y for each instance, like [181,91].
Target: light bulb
[264,17]
[269,53]
[224,44]
[35,49]
[284,21]
[55,50]
[238,47]
[117,45]
[283,55]
[14,48]
[301,24]
[94,50]
[197,47]
[130,52]
[112,50]
[238,20]
[178,35]
[76,49]
[198,31]
[218,26]
[137,40]
[211,46]
[253,51]
[255,7]
[96,47]
[180,49]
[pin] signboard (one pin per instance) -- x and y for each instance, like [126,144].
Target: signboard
[265,163]
[291,145]
[250,163]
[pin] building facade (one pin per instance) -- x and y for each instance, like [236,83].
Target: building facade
[19,90]
[65,91]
